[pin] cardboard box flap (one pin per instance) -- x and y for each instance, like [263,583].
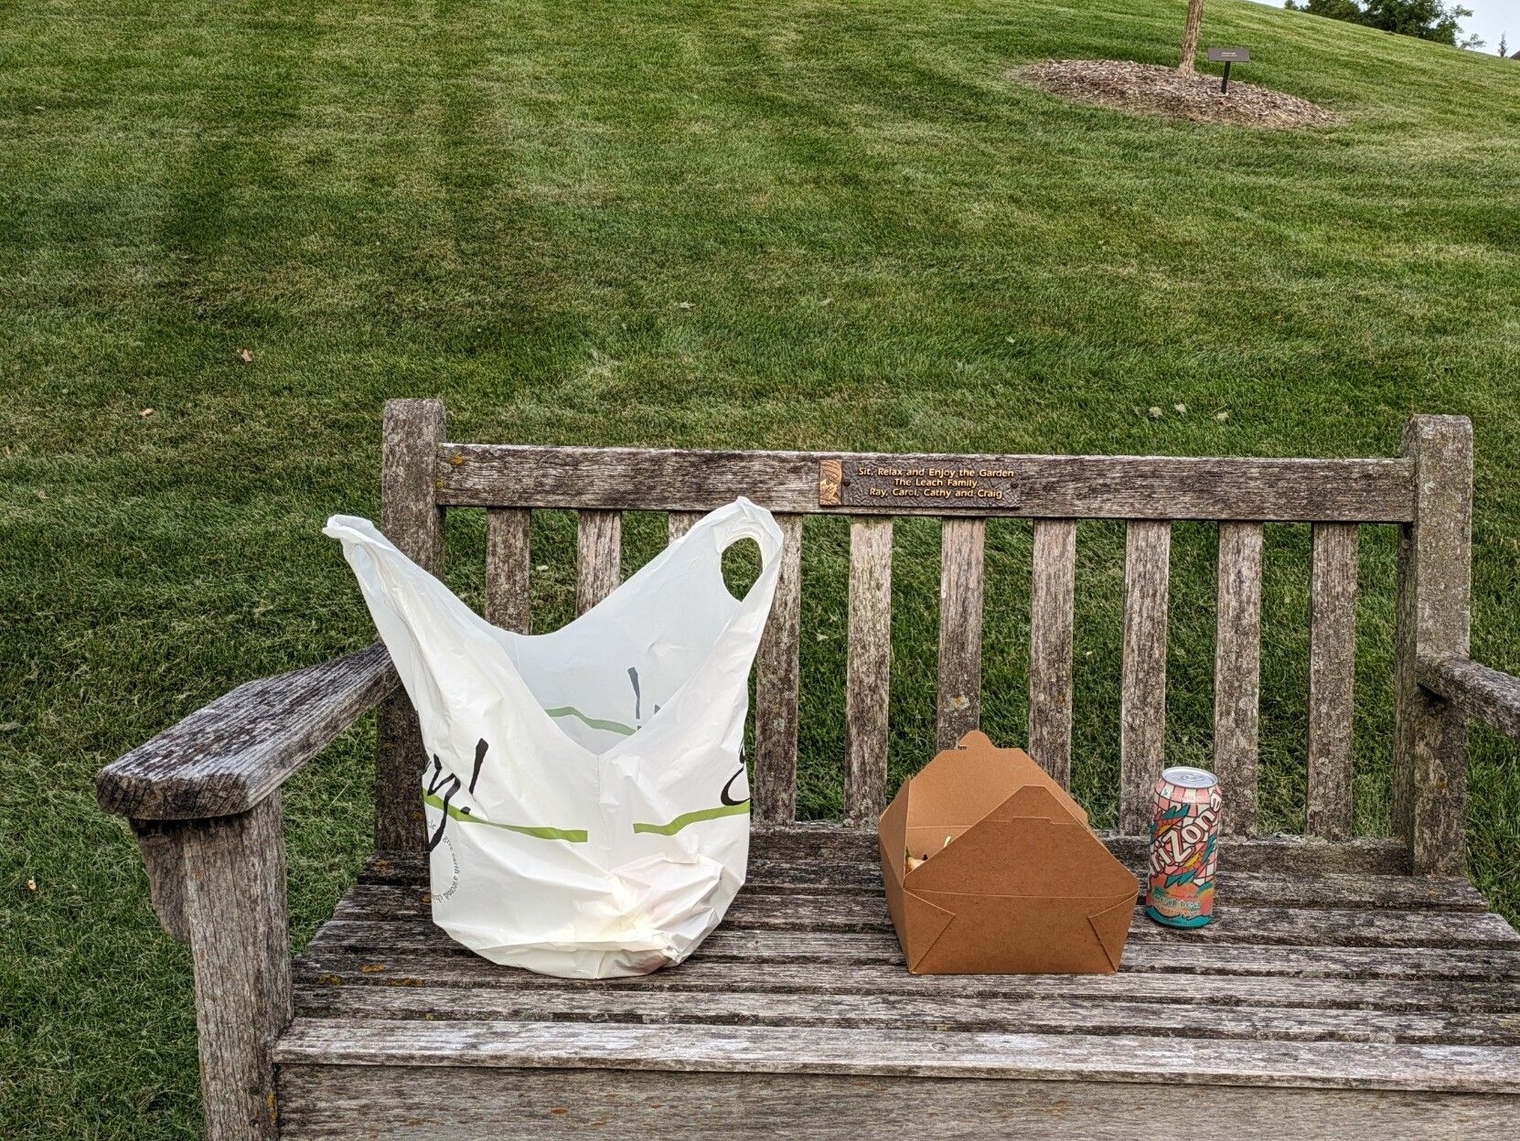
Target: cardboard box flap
[1112,928]
[1028,857]
[891,830]
[963,785]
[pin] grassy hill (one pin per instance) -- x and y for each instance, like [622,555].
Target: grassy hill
[780,224]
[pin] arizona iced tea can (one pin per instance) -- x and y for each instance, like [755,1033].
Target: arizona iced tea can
[1184,847]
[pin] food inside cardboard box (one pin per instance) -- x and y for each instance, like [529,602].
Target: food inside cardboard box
[990,868]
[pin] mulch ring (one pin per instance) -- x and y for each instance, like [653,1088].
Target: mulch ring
[1156,90]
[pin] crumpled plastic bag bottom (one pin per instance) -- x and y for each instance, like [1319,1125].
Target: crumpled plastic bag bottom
[646,923]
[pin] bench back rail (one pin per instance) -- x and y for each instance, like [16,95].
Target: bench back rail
[1426,491]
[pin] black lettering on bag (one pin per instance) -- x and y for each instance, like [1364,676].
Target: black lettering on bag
[441,778]
[725,797]
[480,756]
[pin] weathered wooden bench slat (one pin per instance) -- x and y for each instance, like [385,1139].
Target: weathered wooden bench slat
[508,568]
[331,969]
[925,1010]
[336,1103]
[959,698]
[816,876]
[1237,672]
[1147,1058]
[1142,690]
[777,681]
[599,557]
[1085,487]
[1332,677]
[677,523]
[1284,855]
[415,951]
[1051,599]
[1239,924]
[868,669]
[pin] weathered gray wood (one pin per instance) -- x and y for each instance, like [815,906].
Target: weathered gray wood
[365,980]
[764,1049]
[226,757]
[868,669]
[677,523]
[1287,855]
[1435,588]
[414,952]
[509,600]
[163,856]
[776,681]
[1142,691]
[1237,672]
[1085,487]
[1311,926]
[1332,679]
[814,875]
[926,1009]
[234,906]
[1487,694]
[963,541]
[1051,599]
[412,518]
[338,1103]
[599,557]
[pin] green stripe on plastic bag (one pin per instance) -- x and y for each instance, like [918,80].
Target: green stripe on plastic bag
[694,817]
[572,835]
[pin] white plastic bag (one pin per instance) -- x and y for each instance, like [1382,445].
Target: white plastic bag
[586,800]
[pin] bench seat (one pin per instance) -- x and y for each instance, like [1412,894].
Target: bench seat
[1348,998]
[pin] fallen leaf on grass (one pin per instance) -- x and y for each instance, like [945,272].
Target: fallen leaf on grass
[31,885]
[245,356]
[144,413]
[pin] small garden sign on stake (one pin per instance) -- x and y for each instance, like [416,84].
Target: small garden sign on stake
[1228,56]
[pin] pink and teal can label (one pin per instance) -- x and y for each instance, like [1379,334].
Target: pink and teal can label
[1184,848]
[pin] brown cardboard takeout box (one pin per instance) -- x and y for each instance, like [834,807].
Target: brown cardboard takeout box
[1022,887]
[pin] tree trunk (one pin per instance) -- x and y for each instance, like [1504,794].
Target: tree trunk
[1190,32]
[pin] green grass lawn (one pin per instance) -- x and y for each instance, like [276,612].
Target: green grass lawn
[782,224]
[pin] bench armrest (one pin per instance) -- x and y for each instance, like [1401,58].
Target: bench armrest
[1487,694]
[224,759]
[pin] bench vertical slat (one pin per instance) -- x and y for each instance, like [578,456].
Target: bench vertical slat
[508,562]
[1332,673]
[599,557]
[1051,596]
[677,523]
[1142,697]
[962,546]
[776,674]
[1435,597]
[869,669]
[1237,672]
[411,519]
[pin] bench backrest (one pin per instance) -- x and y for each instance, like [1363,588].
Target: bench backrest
[1426,490]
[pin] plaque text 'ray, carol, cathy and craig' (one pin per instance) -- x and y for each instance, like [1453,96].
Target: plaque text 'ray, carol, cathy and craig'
[904,482]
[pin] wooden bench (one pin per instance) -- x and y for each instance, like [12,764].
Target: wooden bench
[1347,984]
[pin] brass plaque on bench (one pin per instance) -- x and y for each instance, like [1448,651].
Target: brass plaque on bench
[911,482]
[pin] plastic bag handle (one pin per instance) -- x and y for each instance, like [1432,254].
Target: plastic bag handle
[741,520]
